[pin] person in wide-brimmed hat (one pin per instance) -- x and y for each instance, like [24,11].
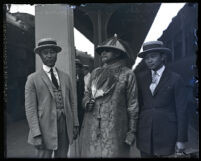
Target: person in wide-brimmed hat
[121,49]
[111,105]
[162,101]
[50,105]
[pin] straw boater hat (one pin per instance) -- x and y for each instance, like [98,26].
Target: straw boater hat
[112,43]
[47,43]
[153,46]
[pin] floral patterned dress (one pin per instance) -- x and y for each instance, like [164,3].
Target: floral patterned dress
[104,129]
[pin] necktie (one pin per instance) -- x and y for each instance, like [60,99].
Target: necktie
[154,82]
[54,80]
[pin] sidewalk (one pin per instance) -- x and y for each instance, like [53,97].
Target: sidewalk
[17,146]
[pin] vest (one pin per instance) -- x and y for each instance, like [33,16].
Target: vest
[59,101]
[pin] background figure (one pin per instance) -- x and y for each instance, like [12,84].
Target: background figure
[111,106]
[50,105]
[80,90]
[163,121]
[87,75]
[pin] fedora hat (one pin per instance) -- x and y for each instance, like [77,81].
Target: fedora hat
[47,43]
[112,43]
[153,46]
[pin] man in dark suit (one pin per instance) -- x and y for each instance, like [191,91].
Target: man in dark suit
[50,106]
[162,127]
[80,90]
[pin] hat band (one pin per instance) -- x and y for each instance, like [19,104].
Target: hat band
[151,46]
[47,43]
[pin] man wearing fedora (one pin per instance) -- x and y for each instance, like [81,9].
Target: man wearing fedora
[162,128]
[111,105]
[50,105]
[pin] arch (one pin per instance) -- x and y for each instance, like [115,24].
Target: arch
[83,23]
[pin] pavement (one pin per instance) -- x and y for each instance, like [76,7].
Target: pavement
[17,146]
[16,137]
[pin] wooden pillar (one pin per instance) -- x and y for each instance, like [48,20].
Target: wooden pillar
[56,21]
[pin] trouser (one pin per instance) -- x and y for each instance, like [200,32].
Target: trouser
[152,155]
[63,142]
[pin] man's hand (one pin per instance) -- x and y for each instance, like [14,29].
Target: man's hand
[39,142]
[75,132]
[130,138]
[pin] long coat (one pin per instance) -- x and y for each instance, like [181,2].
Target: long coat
[104,129]
[40,107]
[163,114]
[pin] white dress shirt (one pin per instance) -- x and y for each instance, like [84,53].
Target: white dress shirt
[157,76]
[47,71]
[86,80]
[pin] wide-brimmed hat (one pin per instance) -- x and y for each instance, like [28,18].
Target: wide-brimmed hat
[113,43]
[47,43]
[153,46]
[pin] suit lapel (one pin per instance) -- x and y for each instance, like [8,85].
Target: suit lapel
[163,80]
[62,84]
[47,81]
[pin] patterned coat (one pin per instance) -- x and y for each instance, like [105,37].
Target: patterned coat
[104,129]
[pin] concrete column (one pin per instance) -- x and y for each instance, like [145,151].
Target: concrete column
[56,21]
[100,22]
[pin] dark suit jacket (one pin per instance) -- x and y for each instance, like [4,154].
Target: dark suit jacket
[163,114]
[40,107]
[80,95]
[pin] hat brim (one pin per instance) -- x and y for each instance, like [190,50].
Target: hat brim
[100,49]
[85,67]
[161,50]
[55,47]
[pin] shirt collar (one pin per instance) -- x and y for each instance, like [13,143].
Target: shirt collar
[47,69]
[159,71]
